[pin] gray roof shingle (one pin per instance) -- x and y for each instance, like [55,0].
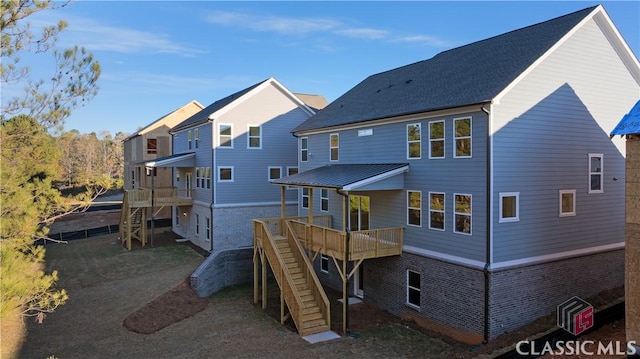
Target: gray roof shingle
[338,175]
[203,115]
[467,75]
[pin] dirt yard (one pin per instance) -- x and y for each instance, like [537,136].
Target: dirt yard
[137,305]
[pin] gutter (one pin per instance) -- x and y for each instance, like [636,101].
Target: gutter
[488,243]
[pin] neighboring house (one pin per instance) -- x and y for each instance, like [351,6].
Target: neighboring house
[151,142]
[491,165]
[629,127]
[226,154]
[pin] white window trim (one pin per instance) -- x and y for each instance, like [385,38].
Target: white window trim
[510,219]
[408,287]
[443,211]
[443,139]
[324,258]
[249,137]
[269,172]
[225,167]
[208,177]
[331,147]
[289,168]
[189,139]
[470,214]
[408,208]
[198,176]
[419,124]
[601,173]
[322,198]
[219,135]
[566,214]
[196,137]
[304,149]
[197,219]
[208,227]
[302,196]
[470,137]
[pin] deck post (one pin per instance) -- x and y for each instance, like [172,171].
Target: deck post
[264,280]
[255,271]
[283,203]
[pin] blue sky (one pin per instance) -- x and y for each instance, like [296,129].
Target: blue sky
[157,56]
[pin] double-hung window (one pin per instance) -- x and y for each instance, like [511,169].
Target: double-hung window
[462,213]
[197,218]
[198,177]
[254,137]
[414,146]
[208,175]
[189,139]
[595,173]
[208,227]
[304,149]
[305,197]
[413,288]
[462,137]
[334,147]
[225,135]
[414,208]
[436,139]
[324,200]
[196,137]
[436,210]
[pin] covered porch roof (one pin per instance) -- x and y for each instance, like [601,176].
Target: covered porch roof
[350,177]
[178,160]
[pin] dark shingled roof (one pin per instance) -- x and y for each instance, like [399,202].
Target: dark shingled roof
[338,175]
[467,75]
[203,116]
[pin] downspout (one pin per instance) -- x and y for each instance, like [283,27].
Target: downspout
[488,230]
[346,256]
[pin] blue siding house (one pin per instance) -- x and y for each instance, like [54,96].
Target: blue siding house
[494,161]
[224,157]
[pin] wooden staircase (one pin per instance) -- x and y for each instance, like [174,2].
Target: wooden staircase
[133,223]
[299,286]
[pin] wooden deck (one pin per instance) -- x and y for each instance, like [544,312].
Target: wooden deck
[320,237]
[162,197]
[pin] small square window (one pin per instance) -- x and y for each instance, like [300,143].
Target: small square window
[225,174]
[567,202]
[509,207]
[274,173]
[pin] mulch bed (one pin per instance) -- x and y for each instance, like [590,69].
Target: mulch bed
[171,307]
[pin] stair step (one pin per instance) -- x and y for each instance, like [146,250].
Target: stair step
[311,317]
[314,323]
[310,310]
[299,281]
[307,298]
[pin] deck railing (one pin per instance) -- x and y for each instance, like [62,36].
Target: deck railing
[319,237]
[162,196]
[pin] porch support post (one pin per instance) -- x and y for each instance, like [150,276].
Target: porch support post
[283,203]
[264,280]
[345,297]
[310,210]
[256,272]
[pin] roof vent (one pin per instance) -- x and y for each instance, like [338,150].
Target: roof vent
[408,81]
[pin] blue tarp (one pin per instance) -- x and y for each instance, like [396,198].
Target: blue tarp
[630,123]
